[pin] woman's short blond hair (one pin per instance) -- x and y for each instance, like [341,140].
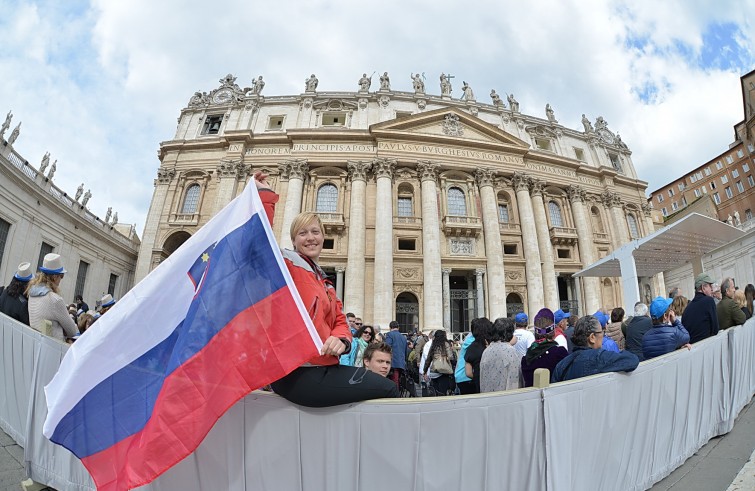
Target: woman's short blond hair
[302,220]
[739,297]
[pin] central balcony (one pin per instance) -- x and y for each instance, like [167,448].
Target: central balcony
[563,235]
[333,222]
[462,226]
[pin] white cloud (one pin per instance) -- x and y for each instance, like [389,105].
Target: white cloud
[100,87]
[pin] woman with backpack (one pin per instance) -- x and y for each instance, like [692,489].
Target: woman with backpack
[437,363]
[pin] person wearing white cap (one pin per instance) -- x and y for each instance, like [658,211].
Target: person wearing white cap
[46,304]
[13,301]
[106,303]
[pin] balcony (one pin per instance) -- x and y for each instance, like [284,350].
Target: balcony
[563,235]
[601,237]
[190,219]
[333,222]
[510,228]
[455,225]
[408,222]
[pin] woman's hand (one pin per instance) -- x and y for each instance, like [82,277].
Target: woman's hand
[333,346]
[260,179]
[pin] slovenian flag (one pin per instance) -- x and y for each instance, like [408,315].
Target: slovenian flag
[217,319]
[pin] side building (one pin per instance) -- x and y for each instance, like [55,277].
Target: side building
[37,218]
[436,210]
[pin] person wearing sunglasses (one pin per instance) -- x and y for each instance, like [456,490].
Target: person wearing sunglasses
[587,357]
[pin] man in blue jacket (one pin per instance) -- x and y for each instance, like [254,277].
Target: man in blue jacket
[587,357]
[397,342]
[667,333]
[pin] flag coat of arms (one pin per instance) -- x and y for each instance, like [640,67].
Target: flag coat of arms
[217,319]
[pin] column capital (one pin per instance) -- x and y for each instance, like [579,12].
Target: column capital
[340,269]
[233,168]
[383,168]
[485,177]
[521,181]
[575,193]
[164,176]
[358,170]
[536,187]
[428,170]
[610,199]
[295,169]
[646,209]
[446,271]
[479,271]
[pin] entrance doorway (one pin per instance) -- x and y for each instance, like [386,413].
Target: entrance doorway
[463,303]
[514,304]
[407,312]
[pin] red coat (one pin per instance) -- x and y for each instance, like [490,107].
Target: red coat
[317,293]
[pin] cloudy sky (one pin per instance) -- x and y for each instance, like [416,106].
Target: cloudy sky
[100,84]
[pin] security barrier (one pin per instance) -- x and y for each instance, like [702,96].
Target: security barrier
[612,431]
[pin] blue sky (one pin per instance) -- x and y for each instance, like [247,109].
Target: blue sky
[100,84]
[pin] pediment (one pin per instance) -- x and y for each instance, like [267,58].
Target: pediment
[448,124]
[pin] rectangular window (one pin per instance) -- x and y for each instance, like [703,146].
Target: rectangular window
[684,201]
[509,249]
[503,213]
[712,185]
[563,253]
[740,153]
[212,125]
[43,251]
[735,173]
[693,178]
[729,159]
[334,119]
[405,207]
[699,175]
[748,214]
[740,187]
[543,144]
[716,198]
[660,198]
[750,181]
[750,148]
[745,167]
[698,193]
[719,165]
[4,232]
[328,244]
[674,206]
[707,171]
[664,211]
[275,123]
[681,186]
[724,179]
[705,190]
[579,154]
[729,194]
[407,245]
[111,284]
[670,193]
[81,278]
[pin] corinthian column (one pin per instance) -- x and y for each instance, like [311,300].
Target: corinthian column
[521,183]
[584,238]
[550,286]
[433,299]
[228,172]
[355,270]
[382,310]
[151,226]
[446,298]
[612,202]
[496,276]
[297,171]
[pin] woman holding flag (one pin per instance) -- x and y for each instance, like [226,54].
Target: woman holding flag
[320,382]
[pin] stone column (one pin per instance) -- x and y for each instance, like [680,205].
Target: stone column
[297,171]
[521,183]
[382,310]
[613,203]
[339,282]
[496,276]
[355,264]
[446,298]
[152,225]
[550,285]
[480,293]
[584,238]
[228,172]
[433,300]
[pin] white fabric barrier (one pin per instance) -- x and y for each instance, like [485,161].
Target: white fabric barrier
[630,430]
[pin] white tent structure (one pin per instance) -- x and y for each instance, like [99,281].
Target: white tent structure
[670,247]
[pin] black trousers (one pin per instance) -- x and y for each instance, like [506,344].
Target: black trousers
[333,385]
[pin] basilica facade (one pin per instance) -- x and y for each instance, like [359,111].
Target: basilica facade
[436,209]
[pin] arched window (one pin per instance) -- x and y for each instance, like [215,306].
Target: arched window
[191,199]
[457,205]
[503,213]
[327,198]
[633,231]
[405,200]
[555,212]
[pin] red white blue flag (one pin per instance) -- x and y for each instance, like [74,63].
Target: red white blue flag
[217,319]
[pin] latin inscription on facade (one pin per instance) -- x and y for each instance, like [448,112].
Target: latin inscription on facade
[268,151]
[449,152]
[559,171]
[333,147]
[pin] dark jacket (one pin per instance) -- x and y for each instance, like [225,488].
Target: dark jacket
[541,355]
[15,307]
[729,313]
[700,318]
[664,338]
[585,361]
[637,327]
[397,342]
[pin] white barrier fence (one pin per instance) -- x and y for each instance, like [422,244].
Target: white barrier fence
[613,431]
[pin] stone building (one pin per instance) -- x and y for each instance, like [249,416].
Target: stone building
[37,217]
[436,209]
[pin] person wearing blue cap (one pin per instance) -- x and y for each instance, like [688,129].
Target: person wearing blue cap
[608,343]
[667,333]
[561,318]
[524,338]
[13,300]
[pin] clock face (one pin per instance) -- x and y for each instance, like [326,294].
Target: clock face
[606,136]
[222,96]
